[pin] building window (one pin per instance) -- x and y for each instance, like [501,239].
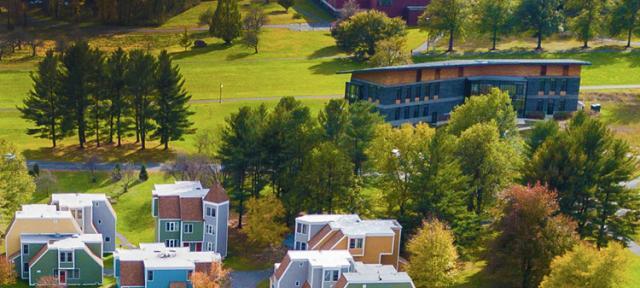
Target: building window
[396,113]
[301,228]
[436,89]
[427,91]
[563,85]
[385,2]
[74,274]
[542,86]
[170,227]
[209,246]
[25,249]
[210,229]
[303,246]
[188,228]
[417,94]
[407,112]
[25,267]
[331,275]
[355,243]
[66,257]
[107,239]
[562,106]
[99,221]
[425,111]
[211,212]
[540,105]
[149,275]
[398,95]
[416,112]
[171,243]
[97,204]
[553,85]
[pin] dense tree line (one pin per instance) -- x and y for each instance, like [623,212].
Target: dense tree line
[88,93]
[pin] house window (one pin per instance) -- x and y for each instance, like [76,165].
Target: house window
[170,227]
[563,86]
[303,246]
[97,204]
[211,212]
[540,105]
[562,106]
[25,249]
[149,275]
[436,89]
[99,221]
[398,95]
[553,85]
[66,257]
[74,274]
[188,228]
[171,243]
[355,243]
[407,95]
[301,228]
[331,275]
[427,91]
[210,229]
[25,267]
[297,283]
[209,246]
[107,239]
[541,88]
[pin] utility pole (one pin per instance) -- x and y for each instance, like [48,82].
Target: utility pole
[220,99]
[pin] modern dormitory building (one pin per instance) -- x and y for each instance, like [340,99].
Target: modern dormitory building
[334,269]
[428,92]
[93,213]
[44,241]
[188,215]
[409,10]
[368,241]
[155,265]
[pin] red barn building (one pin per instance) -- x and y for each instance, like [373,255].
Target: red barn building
[409,10]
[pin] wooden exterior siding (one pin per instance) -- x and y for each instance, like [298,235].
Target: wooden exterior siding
[38,226]
[399,77]
[393,258]
[374,246]
[315,240]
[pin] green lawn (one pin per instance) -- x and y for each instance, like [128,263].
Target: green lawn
[308,11]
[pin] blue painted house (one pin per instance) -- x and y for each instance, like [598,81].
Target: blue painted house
[156,266]
[428,92]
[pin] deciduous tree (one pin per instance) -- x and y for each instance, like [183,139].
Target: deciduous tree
[543,18]
[531,235]
[7,272]
[391,52]
[494,18]
[252,26]
[624,18]
[433,256]
[265,225]
[216,277]
[494,106]
[358,34]
[16,185]
[585,266]
[46,182]
[586,19]
[445,17]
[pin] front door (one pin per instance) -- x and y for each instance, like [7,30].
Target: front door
[63,277]
[198,247]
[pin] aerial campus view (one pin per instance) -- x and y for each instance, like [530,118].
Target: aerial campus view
[320,143]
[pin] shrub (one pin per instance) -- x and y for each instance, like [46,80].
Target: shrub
[535,115]
[199,44]
[562,115]
[144,176]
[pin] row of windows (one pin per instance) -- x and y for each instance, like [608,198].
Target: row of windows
[210,212]
[66,257]
[562,105]
[407,112]
[552,85]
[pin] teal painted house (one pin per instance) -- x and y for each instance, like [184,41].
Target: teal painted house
[156,266]
[70,259]
[189,215]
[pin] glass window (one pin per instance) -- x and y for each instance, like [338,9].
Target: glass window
[188,228]
[398,95]
[66,257]
[170,226]
[416,112]
[553,85]
[25,249]
[539,105]
[355,243]
[385,2]
[436,89]
[331,275]
[210,229]
[562,106]
[396,113]
[407,112]
[564,85]
[542,86]
[74,274]
[149,275]
[425,111]
[25,267]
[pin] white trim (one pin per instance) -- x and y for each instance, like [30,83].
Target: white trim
[334,245]
[322,239]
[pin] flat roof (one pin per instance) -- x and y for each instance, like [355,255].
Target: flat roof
[376,273]
[473,62]
[351,227]
[325,218]
[77,200]
[64,239]
[35,211]
[323,258]
[158,256]
[180,188]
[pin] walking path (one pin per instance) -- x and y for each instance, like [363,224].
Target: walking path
[124,242]
[610,87]
[77,166]
[244,279]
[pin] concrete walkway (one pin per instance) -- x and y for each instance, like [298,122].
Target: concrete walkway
[77,166]
[124,242]
[246,279]
[609,87]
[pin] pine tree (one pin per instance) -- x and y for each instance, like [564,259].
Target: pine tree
[226,23]
[172,112]
[141,85]
[185,41]
[116,82]
[144,176]
[43,104]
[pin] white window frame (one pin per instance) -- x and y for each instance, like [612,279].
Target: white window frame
[331,276]
[188,231]
[149,273]
[170,227]
[209,246]
[355,242]
[171,243]
[210,230]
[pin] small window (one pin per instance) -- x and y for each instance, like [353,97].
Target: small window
[542,86]
[553,85]
[303,246]
[331,275]
[425,111]
[211,212]
[416,112]
[107,239]
[99,221]
[97,204]
[25,249]
[355,243]
[149,275]
[398,95]
[407,112]
[209,246]
[297,283]
[563,86]
[25,267]
[66,257]
[396,114]
[188,228]
[170,226]
[171,243]
[210,229]
[436,89]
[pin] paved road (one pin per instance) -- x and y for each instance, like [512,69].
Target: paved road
[246,279]
[610,87]
[75,166]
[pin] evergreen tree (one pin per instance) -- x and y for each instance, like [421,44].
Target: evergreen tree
[116,85]
[79,82]
[286,4]
[363,120]
[624,18]
[445,16]
[99,102]
[542,17]
[143,176]
[227,22]
[494,106]
[141,85]
[43,105]
[541,132]
[172,112]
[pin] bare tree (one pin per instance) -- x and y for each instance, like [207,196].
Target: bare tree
[206,142]
[46,182]
[192,168]
[349,9]
[128,176]
[91,162]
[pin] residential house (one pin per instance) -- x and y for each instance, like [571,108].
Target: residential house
[70,259]
[333,268]
[368,241]
[428,92]
[38,219]
[92,212]
[409,10]
[155,265]
[188,215]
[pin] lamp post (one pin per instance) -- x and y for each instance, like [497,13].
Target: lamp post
[220,99]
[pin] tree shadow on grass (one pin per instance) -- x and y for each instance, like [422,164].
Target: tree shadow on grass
[128,152]
[238,56]
[327,51]
[332,66]
[199,51]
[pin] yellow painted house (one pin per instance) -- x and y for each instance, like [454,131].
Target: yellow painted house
[38,219]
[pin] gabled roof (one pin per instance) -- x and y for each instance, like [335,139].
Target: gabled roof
[64,242]
[472,62]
